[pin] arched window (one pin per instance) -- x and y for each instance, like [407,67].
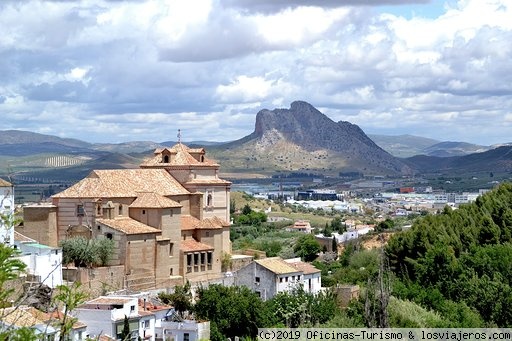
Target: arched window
[166,158]
[201,158]
[209,200]
[109,236]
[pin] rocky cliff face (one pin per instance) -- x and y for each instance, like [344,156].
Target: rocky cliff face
[302,138]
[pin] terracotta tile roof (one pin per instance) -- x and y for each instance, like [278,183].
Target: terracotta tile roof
[191,223]
[105,300]
[23,316]
[127,225]
[124,183]
[208,181]
[180,156]
[4,183]
[306,268]
[18,237]
[153,200]
[192,245]
[188,222]
[277,265]
[211,223]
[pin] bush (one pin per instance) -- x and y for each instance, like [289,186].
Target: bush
[83,252]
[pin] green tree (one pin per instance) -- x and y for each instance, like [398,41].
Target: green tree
[87,252]
[232,311]
[307,247]
[125,332]
[246,210]
[68,298]
[10,268]
[181,298]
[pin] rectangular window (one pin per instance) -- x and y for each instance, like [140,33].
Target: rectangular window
[203,261]
[209,257]
[120,209]
[196,262]
[257,279]
[186,337]
[171,249]
[281,280]
[189,262]
[80,212]
[132,308]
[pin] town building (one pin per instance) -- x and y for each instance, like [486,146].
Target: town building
[269,276]
[106,315]
[168,219]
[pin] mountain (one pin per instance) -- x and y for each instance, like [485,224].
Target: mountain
[304,139]
[410,145]
[403,145]
[10,137]
[449,148]
[495,160]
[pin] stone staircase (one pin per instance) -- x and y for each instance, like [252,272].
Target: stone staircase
[141,279]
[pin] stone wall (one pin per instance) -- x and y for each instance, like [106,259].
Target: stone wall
[96,281]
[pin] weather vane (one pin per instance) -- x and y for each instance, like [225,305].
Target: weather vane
[179,135]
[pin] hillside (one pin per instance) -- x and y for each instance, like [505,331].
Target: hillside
[19,137]
[403,145]
[303,139]
[494,160]
[450,148]
[460,260]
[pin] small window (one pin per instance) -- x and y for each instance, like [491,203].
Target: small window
[121,209]
[281,280]
[171,272]
[109,236]
[286,279]
[207,233]
[132,308]
[80,212]
[166,158]
[186,337]
[171,249]
[209,200]
[257,279]
[143,211]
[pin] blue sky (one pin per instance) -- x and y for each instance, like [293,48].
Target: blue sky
[115,71]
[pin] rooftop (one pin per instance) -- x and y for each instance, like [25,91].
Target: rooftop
[124,183]
[277,265]
[127,225]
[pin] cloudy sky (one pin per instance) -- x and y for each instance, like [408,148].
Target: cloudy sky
[113,71]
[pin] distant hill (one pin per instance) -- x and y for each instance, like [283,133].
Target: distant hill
[403,145]
[497,160]
[13,137]
[304,139]
[449,148]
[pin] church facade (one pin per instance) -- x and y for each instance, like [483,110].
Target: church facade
[168,219]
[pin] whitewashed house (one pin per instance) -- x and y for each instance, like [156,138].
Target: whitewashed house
[270,276]
[105,316]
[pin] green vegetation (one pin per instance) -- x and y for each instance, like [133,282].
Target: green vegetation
[307,247]
[87,253]
[459,262]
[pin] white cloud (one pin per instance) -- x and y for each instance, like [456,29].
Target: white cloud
[111,71]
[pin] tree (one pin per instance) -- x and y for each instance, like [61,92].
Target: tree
[87,253]
[307,247]
[232,311]
[181,298]
[69,297]
[10,269]
[125,332]
[246,210]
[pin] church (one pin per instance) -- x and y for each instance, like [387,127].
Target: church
[168,219]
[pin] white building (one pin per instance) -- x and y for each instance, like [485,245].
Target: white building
[43,262]
[6,210]
[311,280]
[270,276]
[105,316]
